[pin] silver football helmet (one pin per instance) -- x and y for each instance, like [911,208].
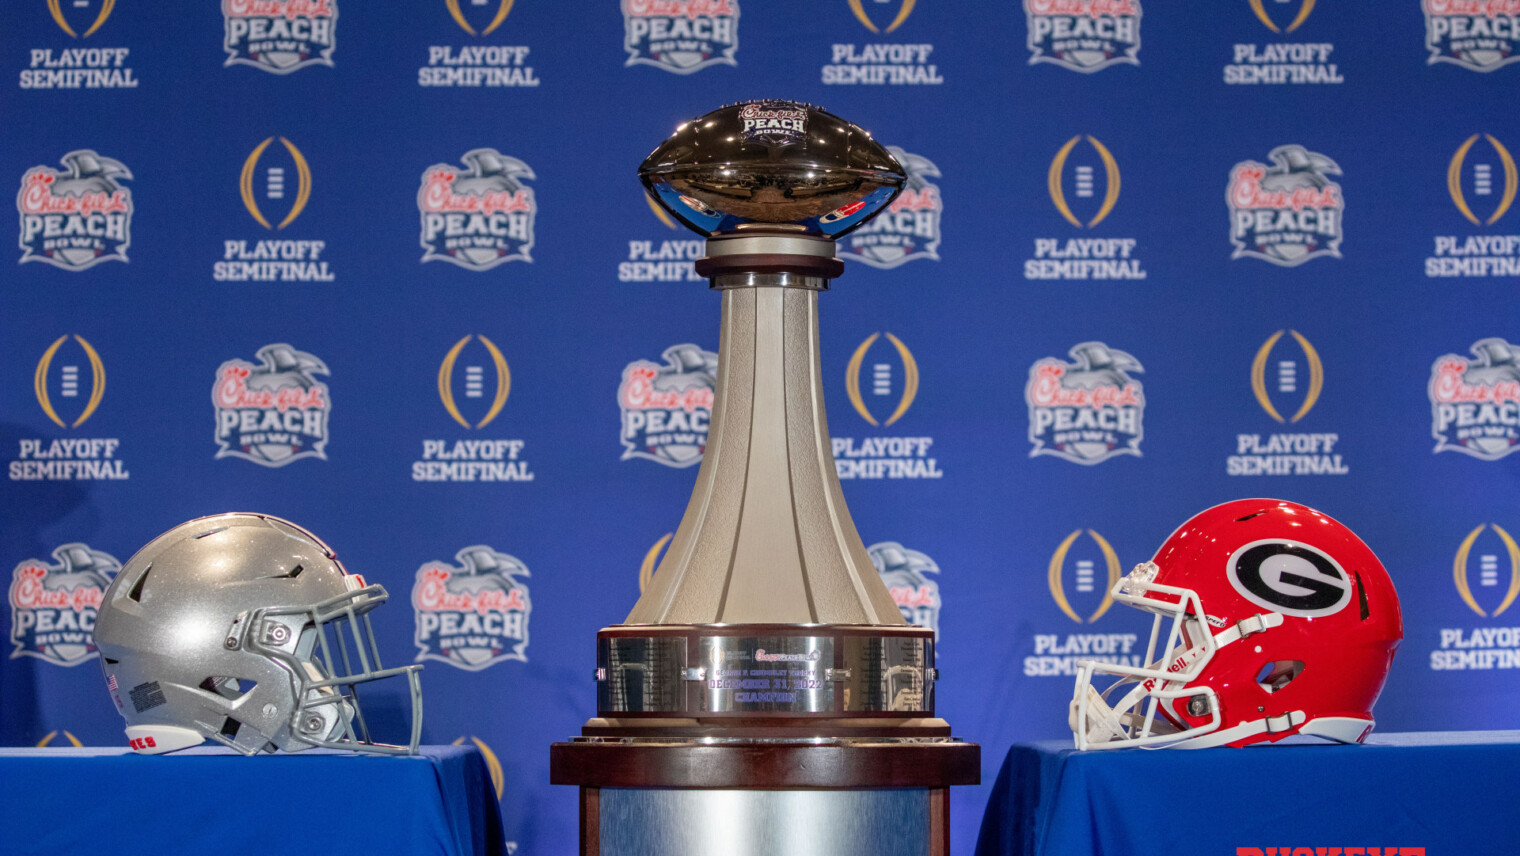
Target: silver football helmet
[243,629]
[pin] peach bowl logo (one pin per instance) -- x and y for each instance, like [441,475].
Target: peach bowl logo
[1475,404]
[1480,35]
[666,408]
[475,613]
[279,36]
[76,217]
[1083,35]
[904,573]
[480,216]
[1286,212]
[1087,410]
[272,412]
[681,36]
[909,228]
[53,605]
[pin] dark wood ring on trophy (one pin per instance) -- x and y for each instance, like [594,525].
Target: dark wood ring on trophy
[762,765]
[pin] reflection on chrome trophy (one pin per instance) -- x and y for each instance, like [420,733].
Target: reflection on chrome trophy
[765,694]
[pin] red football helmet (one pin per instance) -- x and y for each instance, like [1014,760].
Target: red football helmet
[1282,622]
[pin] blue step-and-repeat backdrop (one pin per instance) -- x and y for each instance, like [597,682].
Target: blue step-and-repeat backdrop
[385,269]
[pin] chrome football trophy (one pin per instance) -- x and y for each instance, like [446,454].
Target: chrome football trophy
[765,694]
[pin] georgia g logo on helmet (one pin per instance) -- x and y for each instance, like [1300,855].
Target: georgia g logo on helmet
[1289,577]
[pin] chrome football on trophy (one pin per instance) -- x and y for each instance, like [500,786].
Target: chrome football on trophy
[765,694]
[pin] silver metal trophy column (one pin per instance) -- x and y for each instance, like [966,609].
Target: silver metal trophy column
[765,694]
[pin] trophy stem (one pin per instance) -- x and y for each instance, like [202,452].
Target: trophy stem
[767,538]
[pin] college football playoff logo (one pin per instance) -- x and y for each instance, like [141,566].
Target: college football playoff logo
[503,8]
[274,183]
[474,382]
[1300,15]
[881,379]
[895,18]
[1083,181]
[1288,379]
[1488,570]
[1089,576]
[68,381]
[55,8]
[1481,179]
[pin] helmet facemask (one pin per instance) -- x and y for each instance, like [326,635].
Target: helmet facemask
[327,650]
[1143,714]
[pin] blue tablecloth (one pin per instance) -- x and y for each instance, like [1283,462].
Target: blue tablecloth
[1452,794]
[98,801]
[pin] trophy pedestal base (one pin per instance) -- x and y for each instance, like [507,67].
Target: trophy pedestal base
[866,796]
[897,822]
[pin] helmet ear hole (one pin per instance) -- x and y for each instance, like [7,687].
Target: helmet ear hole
[1274,675]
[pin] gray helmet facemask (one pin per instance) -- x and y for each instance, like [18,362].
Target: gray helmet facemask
[244,629]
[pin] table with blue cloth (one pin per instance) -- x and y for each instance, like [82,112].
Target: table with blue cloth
[1446,793]
[95,801]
